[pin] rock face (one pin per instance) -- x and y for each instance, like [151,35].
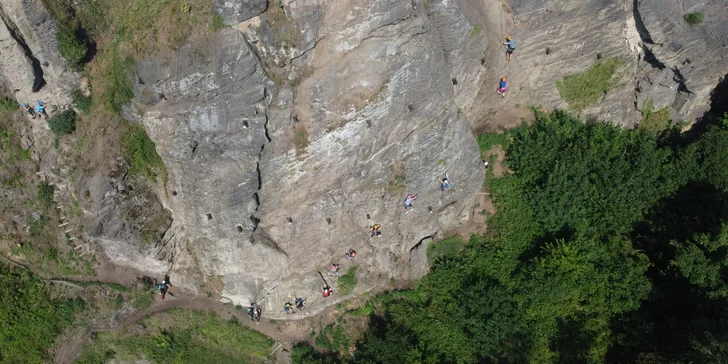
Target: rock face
[286,136]
[31,66]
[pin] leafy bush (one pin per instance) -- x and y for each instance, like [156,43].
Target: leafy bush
[654,121]
[81,101]
[71,46]
[45,194]
[141,154]
[63,123]
[142,299]
[693,18]
[300,139]
[347,282]
[583,90]
[31,319]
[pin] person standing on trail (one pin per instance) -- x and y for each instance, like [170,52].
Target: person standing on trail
[40,109]
[510,47]
[326,291]
[502,87]
[335,269]
[300,303]
[163,289]
[288,307]
[28,109]
[351,254]
[376,230]
[408,201]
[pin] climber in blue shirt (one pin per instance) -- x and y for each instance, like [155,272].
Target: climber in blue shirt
[502,87]
[40,109]
[510,47]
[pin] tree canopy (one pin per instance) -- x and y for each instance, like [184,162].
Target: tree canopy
[609,245]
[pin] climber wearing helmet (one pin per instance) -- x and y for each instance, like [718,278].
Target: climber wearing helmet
[408,201]
[510,47]
[502,87]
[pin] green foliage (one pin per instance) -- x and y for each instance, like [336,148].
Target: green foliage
[487,141]
[72,47]
[303,353]
[30,318]
[583,90]
[8,104]
[217,22]
[591,178]
[119,88]
[182,336]
[693,18]
[81,101]
[347,282]
[63,123]
[703,261]
[334,338]
[141,154]
[45,194]
[449,247]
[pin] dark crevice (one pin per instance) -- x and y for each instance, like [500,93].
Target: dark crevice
[680,80]
[420,242]
[38,80]
[640,25]
[651,59]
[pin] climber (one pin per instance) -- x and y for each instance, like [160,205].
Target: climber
[445,183]
[167,280]
[408,201]
[40,109]
[486,164]
[289,307]
[351,254]
[258,313]
[300,303]
[376,230]
[335,269]
[502,87]
[510,47]
[28,109]
[326,291]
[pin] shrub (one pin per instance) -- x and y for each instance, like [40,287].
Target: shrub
[71,46]
[693,18]
[141,154]
[300,139]
[489,140]
[654,121]
[347,282]
[81,101]
[63,123]
[583,90]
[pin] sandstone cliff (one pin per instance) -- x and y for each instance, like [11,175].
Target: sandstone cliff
[288,134]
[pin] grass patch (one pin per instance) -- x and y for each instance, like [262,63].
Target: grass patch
[142,299]
[141,154]
[63,123]
[654,121]
[347,282]
[119,89]
[487,141]
[45,194]
[217,22]
[300,139]
[8,104]
[693,18]
[182,336]
[81,101]
[584,89]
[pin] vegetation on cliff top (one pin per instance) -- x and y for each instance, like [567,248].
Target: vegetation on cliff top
[583,90]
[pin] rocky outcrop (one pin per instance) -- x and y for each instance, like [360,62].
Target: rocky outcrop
[31,66]
[236,11]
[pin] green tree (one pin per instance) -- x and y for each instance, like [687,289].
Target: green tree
[63,123]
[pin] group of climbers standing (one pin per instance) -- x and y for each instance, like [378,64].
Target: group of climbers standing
[39,109]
